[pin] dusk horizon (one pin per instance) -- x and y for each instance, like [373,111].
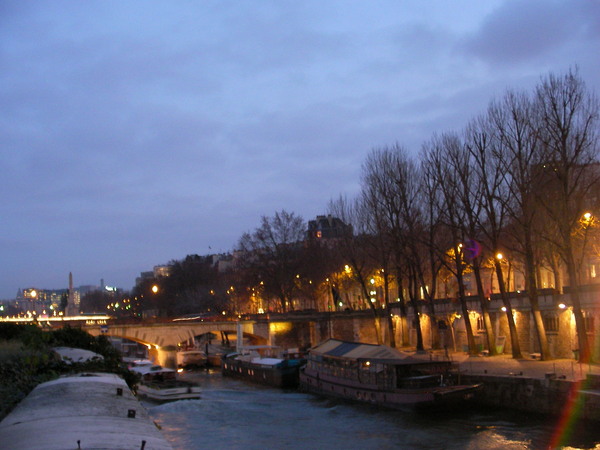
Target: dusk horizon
[135,134]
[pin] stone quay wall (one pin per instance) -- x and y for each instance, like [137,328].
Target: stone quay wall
[549,395]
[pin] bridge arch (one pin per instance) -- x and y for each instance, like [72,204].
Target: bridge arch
[163,338]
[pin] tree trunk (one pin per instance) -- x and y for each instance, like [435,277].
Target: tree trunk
[417,313]
[514,339]
[390,320]
[465,310]
[435,332]
[404,339]
[282,301]
[376,318]
[533,299]
[554,264]
[485,312]
[582,340]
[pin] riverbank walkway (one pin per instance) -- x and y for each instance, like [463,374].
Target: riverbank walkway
[530,366]
[505,365]
[85,411]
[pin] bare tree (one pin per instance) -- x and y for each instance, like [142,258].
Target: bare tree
[375,201]
[470,200]
[394,196]
[568,131]
[273,255]
[480,138]
[380,181]
[352,249]
[518,153]
[434,237]
[408,228]
[441,156]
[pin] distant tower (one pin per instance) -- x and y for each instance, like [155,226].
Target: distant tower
[71,307]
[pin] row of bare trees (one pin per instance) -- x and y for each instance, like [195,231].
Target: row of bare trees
[282,264]
[518,178]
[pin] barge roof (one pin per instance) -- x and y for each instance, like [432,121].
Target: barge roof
[90,410]
[356,350]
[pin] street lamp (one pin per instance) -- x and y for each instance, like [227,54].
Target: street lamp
[155,289]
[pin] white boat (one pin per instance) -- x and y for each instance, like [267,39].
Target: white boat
[190,359]
[162,385]
[135,364]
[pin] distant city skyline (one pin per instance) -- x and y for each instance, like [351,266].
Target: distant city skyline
[136,133]
[79,287]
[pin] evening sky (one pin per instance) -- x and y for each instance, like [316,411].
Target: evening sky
[133,133]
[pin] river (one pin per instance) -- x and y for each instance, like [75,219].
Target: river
[233,414]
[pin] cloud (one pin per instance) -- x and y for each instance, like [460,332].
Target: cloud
[133,134]
[521,32]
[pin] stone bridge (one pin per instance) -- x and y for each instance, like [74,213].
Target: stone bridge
[282,330]
[163,338]
[169,334]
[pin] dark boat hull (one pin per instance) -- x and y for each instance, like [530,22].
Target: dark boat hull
[280,376]
[438,398]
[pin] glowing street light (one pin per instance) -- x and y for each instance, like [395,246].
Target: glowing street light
[155,289]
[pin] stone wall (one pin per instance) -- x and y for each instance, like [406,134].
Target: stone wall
[544,396]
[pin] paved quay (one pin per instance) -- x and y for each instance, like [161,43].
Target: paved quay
[505,365]
[85,411]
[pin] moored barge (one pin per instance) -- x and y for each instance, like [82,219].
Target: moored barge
[255,365]
[383,376]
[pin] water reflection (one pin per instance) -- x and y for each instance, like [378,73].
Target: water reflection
[235,415]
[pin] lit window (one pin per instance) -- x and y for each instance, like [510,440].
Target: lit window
[480,324]
[551,323]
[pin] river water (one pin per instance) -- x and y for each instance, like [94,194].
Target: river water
[233,414]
